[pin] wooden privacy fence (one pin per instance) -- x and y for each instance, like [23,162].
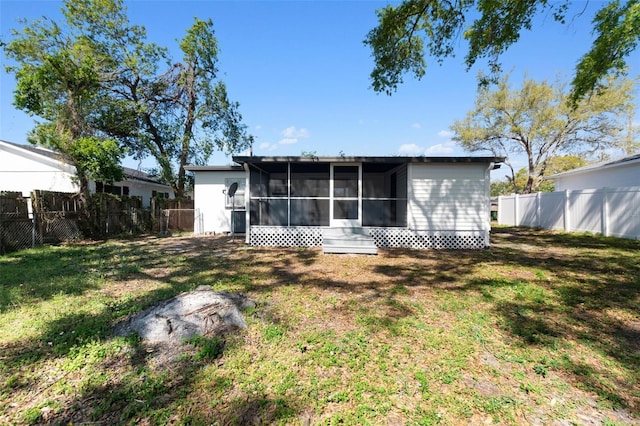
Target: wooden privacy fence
[17,227]
[606,211]
[173,214]
[52,217]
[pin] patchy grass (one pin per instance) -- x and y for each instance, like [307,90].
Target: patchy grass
[541,328]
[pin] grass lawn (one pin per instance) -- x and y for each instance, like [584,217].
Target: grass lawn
[543,328]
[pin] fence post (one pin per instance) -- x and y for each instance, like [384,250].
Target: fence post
[1,233]
[538,210]
[516,210]
[567,212]
[33,220]
[605,212]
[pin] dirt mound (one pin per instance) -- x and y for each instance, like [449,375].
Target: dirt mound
[200,312]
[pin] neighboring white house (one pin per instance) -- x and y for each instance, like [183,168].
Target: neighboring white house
[620,173]
[421,202]
[24,168]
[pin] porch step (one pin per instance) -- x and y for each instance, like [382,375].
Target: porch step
[348,240]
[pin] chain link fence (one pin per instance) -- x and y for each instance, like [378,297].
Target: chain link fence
[52,217]
[17,230]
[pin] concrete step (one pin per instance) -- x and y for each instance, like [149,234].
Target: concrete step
[347,240]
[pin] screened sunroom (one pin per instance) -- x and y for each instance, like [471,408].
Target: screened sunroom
[419,202]
[327,194]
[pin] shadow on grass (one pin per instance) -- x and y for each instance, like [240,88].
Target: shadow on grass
[578,280]
[580,277]
[79,342]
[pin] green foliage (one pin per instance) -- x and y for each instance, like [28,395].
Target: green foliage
[617,27]
[408,31]
[273,333]
[209,347]
[58,75]
[95,76]
[501,187]
[536,121]
[559,164]
[100,158]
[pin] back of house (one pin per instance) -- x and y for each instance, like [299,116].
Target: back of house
[417,202]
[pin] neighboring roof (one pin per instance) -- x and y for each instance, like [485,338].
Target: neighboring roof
[41,151]
[252,159]
[214,168]
[618,162]
[131,174]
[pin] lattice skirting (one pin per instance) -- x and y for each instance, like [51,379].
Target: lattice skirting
[276,236]
[407,238]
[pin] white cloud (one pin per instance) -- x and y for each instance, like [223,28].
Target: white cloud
[268,146]
[293,133]
[410,149]
[445,133]
[416,126]
[288,141]
[441,148]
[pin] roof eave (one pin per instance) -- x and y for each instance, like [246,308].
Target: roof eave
[214,168]
[361,159]
[624,162]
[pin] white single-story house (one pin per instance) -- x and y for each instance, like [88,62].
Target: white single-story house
[362,202]
[619,173]
[25,168]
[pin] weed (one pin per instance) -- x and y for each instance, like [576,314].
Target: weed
[273,333]
[208,347]
[541,370]
[32,416]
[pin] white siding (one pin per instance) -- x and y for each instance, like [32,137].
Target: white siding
[209,201]
[448,197]
[145,190]
[620,176]
[23,173]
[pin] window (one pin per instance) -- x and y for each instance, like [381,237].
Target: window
[109,189]
[156,194]
[237,201]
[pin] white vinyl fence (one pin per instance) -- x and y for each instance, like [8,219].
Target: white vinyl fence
[605,211]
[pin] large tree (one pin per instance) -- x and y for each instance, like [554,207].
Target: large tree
[59,82]
[180,114]
[536,122]
[175,111]
[517,183]
[407,32]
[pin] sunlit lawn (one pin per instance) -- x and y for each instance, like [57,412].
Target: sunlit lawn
[541,328]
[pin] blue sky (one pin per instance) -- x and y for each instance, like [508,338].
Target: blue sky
[300,71]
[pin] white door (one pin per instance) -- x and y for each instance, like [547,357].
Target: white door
[346,199]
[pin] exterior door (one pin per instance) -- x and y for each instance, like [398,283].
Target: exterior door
[346,195]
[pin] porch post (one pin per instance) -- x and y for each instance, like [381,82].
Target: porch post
[247,204]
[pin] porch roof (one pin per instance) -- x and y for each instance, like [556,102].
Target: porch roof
[364,159]
[235,168]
